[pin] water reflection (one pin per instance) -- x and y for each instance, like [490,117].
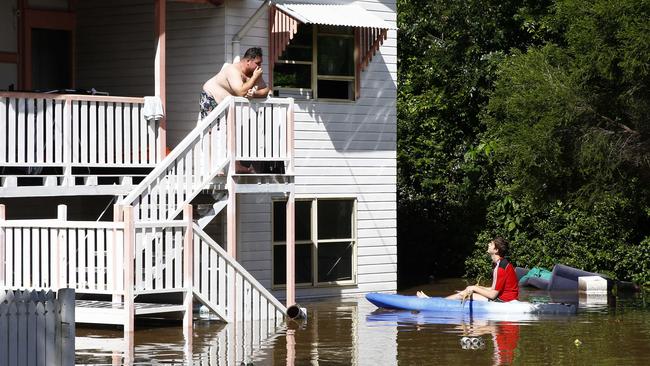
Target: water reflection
[354,332]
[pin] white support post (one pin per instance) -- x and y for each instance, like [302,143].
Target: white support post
[188,270]
[231,210]
[59,252]
[67,144]
[2,246]
[117,217]
[290,139]
[129,245]
[161,73]
[291,249]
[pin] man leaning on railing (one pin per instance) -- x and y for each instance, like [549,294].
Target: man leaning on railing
[242,78]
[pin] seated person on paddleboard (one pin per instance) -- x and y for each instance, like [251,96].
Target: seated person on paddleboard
[505,286]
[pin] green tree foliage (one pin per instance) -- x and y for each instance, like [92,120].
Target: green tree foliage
[527,119]
[449,51]
[569,124]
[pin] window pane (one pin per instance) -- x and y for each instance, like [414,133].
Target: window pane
[334,261]
[300,46]
[303,220]
[335,219]
[303,264]
[335,56]
[292,76]
[336,89]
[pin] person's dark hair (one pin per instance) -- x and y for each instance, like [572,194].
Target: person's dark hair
[253,53]
[501,245]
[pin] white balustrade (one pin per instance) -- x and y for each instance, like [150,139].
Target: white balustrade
[53,254]
[76,131]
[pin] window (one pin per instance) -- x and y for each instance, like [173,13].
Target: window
[325,242]
[319,62]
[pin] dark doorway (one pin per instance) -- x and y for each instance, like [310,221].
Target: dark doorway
[51,59]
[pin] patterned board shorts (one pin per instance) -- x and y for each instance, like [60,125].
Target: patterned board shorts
[206,105]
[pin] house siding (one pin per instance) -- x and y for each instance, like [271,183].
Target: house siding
[115,46]
[195,52]
[342,149]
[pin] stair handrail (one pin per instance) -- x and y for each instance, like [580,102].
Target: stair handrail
[177,151]
[238,268]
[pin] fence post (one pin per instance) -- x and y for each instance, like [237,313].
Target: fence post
[61,257]
[117,217]
[66,298]
[2,245]
[129,245]
[188,254]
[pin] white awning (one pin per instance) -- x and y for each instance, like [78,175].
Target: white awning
[349,15]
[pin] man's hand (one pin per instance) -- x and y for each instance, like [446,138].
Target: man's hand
[251,92]
[257,73]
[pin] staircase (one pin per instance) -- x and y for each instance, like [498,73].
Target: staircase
[154,248]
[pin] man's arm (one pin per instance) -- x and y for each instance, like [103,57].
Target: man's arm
[262,89]
[236,85]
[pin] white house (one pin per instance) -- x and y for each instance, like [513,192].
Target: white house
[325,145]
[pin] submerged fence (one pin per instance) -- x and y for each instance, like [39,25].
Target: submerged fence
[37,327]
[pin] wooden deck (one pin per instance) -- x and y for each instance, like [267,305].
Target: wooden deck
[107,312]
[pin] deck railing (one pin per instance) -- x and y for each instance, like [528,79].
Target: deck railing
[192,164]
[67,131]
[53,254]
[264,129]
[227,288]
[129,258]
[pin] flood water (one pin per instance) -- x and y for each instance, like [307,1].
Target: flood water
[614,331]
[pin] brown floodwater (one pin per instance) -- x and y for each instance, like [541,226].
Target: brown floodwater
[605,331]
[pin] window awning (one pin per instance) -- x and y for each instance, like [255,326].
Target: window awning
[348,15]
[370,30]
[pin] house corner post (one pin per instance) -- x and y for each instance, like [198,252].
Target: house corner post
[129,272]
[188,268]
[291,249]
[160,73]
[3,244]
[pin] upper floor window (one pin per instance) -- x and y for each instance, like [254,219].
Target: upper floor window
[319,62]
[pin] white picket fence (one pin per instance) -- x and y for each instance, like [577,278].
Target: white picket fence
[37,328]
[264,129]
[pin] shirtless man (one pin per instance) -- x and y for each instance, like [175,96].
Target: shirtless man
[241,79]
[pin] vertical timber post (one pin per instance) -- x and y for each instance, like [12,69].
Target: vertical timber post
[231,211]
[129,273]
[59,251]
[3,244]
[188,269]
[291,249]
[160,71]
[117,217]
[66,298]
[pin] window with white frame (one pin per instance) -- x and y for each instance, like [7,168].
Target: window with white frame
[325,242]
[319,63]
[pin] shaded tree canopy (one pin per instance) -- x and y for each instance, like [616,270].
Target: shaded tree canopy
[529,120]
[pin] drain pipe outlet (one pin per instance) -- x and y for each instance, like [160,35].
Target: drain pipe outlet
[243,31]
[296,312]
